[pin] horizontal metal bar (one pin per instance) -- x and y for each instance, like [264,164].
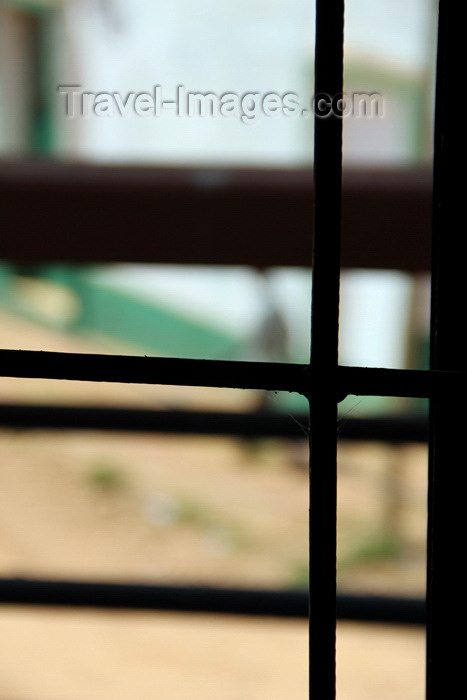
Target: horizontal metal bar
[382,609]
[204,599]
[394,430]
[128,369]
[175,215]
[246,425]
[147,597]
[266,376]
[423,384]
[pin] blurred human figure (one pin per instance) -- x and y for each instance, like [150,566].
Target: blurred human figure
[270,342]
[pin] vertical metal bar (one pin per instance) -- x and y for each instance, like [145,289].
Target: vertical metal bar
[446,502]
[324,345]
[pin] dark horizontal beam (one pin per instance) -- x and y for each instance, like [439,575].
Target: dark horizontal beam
[127,369]
[392,429]
[201,599]
[265,376]
[422,384]
[146,597]
[381,609]
[246,425]
[78,213]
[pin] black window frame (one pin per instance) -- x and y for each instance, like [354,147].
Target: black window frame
[322,381]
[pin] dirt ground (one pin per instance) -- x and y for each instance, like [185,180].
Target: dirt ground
[63,655]
[210,510]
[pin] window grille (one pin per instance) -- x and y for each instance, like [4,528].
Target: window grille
[324,383]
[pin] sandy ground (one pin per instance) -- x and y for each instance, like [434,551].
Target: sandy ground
[63,655]
[187,510]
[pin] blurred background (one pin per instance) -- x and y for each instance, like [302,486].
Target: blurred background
[159,508]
